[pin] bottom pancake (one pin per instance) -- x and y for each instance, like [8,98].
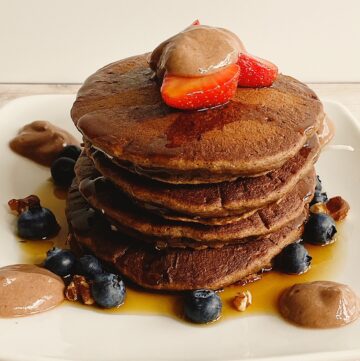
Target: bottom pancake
[173,269]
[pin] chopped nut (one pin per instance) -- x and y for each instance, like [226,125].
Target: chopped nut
[71,292]
[338,208]
[242,301]
[335,207]
[20,205]
[79,290]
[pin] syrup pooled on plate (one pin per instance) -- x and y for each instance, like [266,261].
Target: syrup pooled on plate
[265,292]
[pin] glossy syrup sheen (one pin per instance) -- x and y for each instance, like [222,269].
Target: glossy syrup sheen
[265,292]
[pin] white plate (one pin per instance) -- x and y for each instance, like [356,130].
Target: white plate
[75,333]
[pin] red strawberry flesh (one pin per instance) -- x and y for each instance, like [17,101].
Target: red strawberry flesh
[191,93]
[256,72]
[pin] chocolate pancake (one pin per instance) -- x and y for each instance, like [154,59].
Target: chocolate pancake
[143,225]
[120,111]
[173,269]
[202,202]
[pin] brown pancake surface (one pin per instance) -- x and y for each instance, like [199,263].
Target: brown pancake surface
[174,269]
[139,223]
[119,110]
[199,203]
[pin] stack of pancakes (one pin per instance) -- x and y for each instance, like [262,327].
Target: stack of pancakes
[178,200]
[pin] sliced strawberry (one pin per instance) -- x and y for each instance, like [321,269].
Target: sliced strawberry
[256,72]
[200,92]
[196,22]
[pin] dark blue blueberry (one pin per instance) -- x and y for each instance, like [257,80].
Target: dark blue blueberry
[37,223]
[319,197]
[60,261]
[70,151]
[320,229]
[202,306]
[293,259]
[88,266]
[62,171]
[318,186]
[108,290]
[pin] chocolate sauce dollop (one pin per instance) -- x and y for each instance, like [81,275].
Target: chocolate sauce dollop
[320,304]
[196,51]
[41,141]
[26,289]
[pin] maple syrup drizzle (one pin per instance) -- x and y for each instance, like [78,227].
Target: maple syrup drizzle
[326,262]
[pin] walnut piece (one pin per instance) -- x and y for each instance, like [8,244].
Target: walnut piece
[71,293]
[242,301]
[338,208]
[335,207]
[22,204]
[79,290]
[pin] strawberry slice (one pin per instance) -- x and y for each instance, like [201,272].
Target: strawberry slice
[196,22]
[200,92]
[256,72]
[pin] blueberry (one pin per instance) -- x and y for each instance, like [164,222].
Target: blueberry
[60,261]
[202,306]
[62,171]
[318,186]
[108,290]
[70,151]
[320,229]
[88,266]
[37,223]
[319,197]
[293,259]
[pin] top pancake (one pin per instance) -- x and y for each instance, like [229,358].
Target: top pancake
[119,110]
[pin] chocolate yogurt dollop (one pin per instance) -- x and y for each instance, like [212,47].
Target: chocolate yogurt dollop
[41,141]
[26,289]
[196,51]
[320,304]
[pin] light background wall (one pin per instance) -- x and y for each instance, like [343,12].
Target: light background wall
[66,40]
